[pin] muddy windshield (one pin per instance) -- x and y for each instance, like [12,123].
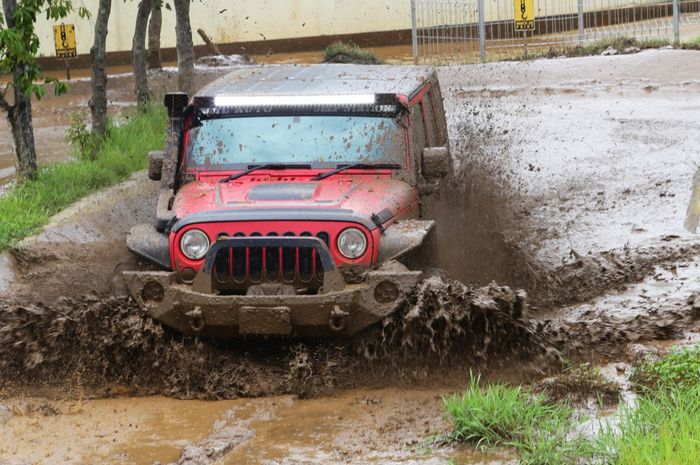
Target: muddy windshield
[230,143]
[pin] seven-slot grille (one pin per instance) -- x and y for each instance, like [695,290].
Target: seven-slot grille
[236,268]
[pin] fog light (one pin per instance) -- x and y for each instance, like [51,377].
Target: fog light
[152,292]
[386,292]
[187,275]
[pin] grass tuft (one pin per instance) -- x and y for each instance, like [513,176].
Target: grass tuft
[618,43]
[28,205]
[500,415]
[341,52]
[594,48]
[577,383]
[663,428]
[677,370]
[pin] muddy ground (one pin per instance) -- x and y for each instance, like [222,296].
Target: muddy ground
[573,180]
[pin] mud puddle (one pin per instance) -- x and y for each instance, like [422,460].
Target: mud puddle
[107,431]
[384,426]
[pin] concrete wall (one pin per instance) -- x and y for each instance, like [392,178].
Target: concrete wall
[243,21]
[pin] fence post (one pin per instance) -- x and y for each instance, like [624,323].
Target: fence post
[482,31]
[676,22]
[414,32]
[580,22]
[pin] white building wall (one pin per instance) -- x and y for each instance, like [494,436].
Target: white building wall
[242,20]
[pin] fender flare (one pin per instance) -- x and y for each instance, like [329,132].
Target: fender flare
[144,240]
[403,237]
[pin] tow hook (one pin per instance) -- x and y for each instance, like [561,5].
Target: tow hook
[338,319]
[196,319]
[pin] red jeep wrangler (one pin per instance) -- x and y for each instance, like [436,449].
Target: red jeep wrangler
[290,200]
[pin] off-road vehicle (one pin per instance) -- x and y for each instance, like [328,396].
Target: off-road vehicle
[291,200]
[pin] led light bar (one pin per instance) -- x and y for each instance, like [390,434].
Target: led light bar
[293,100]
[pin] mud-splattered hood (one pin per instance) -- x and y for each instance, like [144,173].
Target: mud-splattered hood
[363,195]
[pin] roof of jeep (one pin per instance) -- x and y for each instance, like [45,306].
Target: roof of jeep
[319,80]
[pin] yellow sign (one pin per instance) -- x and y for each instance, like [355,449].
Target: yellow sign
[64,38]
[524,15]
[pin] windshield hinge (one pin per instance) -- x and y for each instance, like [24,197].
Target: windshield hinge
[378,221]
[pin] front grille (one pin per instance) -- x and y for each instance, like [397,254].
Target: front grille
[237,268]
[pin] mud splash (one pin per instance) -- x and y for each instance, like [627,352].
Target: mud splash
[483,233]
[102,347]
[587,276]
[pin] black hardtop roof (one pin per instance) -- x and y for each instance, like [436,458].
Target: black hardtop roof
[319,80]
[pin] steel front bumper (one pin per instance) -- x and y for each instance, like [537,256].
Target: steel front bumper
[339,309]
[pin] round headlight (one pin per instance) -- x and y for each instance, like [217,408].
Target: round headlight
[194,244]
[352,243]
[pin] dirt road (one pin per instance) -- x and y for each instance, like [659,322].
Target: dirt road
[575,176]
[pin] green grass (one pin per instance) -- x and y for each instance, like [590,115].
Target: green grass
[677,370]
[500,415]
[692,44]
[662,429]
[341,52]
[618,43]
[27,206]
[594,48]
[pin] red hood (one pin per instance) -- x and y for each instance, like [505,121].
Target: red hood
[364,194]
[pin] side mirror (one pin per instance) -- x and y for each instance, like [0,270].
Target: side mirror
[155,165]
[436,163]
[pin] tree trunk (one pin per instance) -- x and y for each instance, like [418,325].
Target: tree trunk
[98,56]
[19,114]
[154,26]
[185,47]
[138,52]
[20,117]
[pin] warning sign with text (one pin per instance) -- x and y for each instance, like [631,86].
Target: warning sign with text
[524,15]
[64,38]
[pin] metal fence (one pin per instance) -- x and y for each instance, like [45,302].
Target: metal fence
[453,31]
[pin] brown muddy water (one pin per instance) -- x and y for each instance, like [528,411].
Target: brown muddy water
[573,180]
[384,426]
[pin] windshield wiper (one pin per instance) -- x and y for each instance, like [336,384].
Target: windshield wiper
[363,166]
[266,166]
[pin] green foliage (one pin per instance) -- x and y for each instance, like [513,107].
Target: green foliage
[341,52]
[19,45]
[678,370]
[26,207]
[84,143]
[500,415]
[663,428]
[664,425]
